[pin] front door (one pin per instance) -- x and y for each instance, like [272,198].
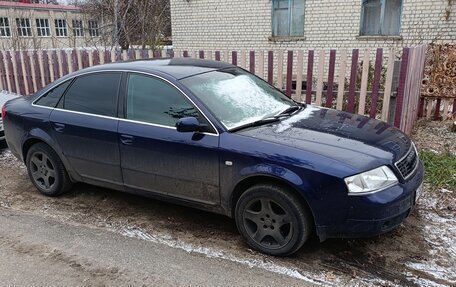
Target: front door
[156,157]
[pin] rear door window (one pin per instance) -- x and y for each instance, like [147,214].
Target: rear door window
[94,94]
[51,98]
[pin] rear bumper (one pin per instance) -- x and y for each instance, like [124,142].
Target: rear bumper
[377,213]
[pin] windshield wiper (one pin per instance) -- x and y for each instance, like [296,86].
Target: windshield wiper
[255,124]
[290,110]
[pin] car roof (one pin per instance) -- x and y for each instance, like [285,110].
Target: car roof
[178,68]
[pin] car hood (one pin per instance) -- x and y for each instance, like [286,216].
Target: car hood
[355,140]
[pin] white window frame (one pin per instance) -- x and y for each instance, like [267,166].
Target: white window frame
[382,18]
[5,27]
[24,27]
[94,28]
[61,28]
[43,27]
[78,30]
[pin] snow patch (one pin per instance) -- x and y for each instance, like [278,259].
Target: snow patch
[288,123]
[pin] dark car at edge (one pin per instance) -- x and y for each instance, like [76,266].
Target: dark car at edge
[212,136]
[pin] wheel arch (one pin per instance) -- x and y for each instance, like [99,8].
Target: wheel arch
[31,141]
[252,180]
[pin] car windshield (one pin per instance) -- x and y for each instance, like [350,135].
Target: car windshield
[236,97]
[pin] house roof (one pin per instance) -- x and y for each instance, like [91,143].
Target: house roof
[20,5]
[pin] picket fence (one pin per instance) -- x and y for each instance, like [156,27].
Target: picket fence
[336,78]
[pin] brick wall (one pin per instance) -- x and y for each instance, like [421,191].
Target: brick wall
[246,25]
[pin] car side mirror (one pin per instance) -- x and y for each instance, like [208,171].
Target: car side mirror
[190,124]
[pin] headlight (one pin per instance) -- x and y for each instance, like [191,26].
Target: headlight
[370,181]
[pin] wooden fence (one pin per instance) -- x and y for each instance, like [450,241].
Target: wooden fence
[358,81]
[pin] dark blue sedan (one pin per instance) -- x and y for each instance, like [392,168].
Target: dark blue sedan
[213,136]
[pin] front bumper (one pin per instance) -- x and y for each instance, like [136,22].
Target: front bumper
[377,213]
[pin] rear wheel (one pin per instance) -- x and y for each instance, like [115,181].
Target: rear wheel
[46,170]
[272,220]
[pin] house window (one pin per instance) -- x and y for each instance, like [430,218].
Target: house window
[61,28]
[42,28]
[5,29]
[93,29]
[288,18]
[381,17]
[24,29]
[78,29]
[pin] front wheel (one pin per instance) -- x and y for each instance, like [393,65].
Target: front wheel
[272,220]
[46,170]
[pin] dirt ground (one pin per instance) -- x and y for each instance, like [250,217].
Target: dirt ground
[421,252]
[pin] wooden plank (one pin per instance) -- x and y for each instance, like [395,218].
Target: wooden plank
[24,73]
[310,64]
[131,54]
[201,54]
[401,87]
[364,82]
[9,82]
[341,82]
[299,72]
[321,72]
[352,85]
[437,109]
[64,59]
[252,62]
[37,70]
[289,73]
[107,56]
[32,71]
[388,85]
[13,71]
[3,85]
[429,107]
[95,57]
[260,71]
[332,66]
[446,104]
[59,61]
[421,108]
[138,54]
[74,61]
[234,58]
[46,68]
[17,64]
[376,83]
[55,65]
[242,62]
[85,59]
[280,70]
[270,67]
[28,73]
[217,55]
[454,109]
[226,56]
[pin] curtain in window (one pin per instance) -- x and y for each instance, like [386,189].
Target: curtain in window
[392,18]
[372,10]
[280,18]
[297,18]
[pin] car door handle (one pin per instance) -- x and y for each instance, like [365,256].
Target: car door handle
[58,127]
[126,139]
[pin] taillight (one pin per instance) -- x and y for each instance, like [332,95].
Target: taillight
[3,111]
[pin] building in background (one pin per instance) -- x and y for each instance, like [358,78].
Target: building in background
[291,24]
[44,26]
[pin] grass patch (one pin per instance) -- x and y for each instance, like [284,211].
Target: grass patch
[440,169]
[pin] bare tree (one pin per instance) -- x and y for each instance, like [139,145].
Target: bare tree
[144,23]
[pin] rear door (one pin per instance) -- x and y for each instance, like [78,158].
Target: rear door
[85,126]
[155,157]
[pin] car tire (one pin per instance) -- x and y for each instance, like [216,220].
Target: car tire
[272,220]
[46,170]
